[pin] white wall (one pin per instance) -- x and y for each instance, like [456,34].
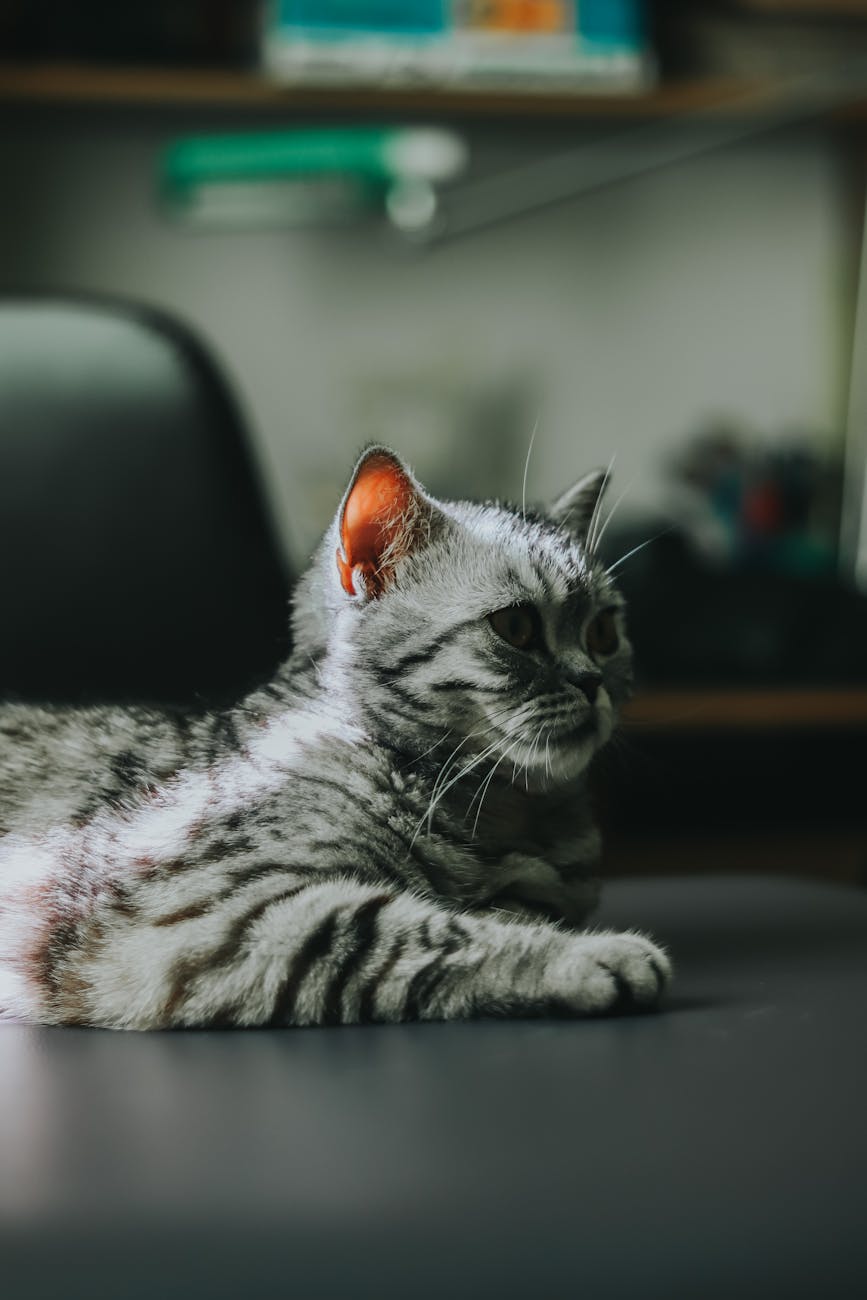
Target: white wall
[625,320]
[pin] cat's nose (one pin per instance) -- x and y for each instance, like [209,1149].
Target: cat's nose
[589,683]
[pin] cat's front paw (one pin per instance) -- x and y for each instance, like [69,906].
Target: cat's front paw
[605,973]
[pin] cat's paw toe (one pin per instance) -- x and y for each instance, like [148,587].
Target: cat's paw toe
[620,972]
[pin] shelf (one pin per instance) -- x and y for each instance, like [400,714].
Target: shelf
[81,84]
[747,710]
[827,853]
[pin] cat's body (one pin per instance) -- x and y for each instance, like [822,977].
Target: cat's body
[395,827]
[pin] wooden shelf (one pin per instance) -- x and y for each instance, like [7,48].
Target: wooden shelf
[826,853]
[745,710]
[80,84]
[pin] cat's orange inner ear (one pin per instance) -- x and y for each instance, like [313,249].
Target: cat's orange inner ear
[374,518]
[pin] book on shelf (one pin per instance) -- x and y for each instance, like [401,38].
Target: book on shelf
[496,45]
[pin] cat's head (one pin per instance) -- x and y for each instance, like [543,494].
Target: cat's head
[496,626]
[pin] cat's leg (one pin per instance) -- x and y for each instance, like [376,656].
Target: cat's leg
[376,955]
[433,964]
[342,952]
[287,948]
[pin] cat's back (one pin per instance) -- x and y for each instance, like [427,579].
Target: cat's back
[59,764]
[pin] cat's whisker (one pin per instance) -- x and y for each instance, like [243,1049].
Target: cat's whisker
[435,800]
[479,793]
[479,731]
[443,771]
[597,508]
[506,751]
[537,744]
[532,755]
[636,549]
[611,513]
[484,789]
[441,777]
[471,766]
[526,469]
[434,746]
[440,787]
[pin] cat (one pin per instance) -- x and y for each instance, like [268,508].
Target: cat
[396,827]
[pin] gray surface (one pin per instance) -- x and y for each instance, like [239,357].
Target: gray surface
[716,1149]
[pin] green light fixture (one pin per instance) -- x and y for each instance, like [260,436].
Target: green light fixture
[317,176]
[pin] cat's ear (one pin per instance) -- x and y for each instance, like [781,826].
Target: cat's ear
[576,507]
[383,516]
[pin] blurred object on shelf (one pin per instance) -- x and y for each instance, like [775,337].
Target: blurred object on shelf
[165,32]
[741,588]
[756,39]
[743,506]
[483,44]
[327,175]
[693,623]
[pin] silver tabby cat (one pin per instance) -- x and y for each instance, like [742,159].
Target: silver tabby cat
[395,828]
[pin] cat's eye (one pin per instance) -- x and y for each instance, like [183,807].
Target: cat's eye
[601,634]
[517,624]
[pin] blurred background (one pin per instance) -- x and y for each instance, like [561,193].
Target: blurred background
[636,228]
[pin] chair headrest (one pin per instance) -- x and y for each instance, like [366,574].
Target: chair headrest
[136,556]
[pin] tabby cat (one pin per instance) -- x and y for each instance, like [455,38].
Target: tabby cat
[395,828]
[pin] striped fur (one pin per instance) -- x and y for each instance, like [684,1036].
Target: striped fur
[395,828]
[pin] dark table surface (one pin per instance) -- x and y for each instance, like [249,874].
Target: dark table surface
[718,1148]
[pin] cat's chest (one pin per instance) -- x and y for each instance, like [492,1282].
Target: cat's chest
[476,845]
[503,817]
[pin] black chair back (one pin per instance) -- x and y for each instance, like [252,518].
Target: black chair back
[136,556]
